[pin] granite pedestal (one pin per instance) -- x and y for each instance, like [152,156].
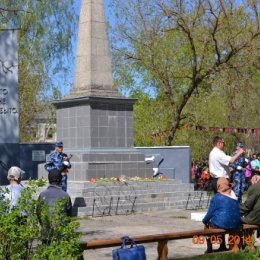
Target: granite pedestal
[98,132]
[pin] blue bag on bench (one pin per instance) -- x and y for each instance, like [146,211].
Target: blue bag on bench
[134,252]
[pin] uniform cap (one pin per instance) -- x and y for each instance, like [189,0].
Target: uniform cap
[14,173]
[239,145]
[59,144]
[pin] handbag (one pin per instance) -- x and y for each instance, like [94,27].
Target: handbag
[134,252]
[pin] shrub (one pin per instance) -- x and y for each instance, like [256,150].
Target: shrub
[22,231]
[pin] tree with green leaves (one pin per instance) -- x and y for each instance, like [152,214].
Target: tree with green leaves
[45,30]
[175,50]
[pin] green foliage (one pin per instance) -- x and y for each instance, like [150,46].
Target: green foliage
[255,255]
[150,117]
[192,62]
[22,229]
[243,255]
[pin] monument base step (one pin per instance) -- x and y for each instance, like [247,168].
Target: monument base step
[112,198]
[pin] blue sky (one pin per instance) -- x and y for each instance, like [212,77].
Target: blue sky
[64,84]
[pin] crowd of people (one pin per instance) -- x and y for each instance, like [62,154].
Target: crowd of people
[227,178]
[240,172]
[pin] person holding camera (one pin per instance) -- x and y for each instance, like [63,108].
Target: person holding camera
[238,175]
[59,161]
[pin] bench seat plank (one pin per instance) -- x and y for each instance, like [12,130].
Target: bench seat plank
[162,239]
[102,243]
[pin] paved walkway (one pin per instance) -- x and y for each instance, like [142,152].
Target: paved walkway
[143,224]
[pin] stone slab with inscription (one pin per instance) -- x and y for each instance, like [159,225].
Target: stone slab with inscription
[9,116]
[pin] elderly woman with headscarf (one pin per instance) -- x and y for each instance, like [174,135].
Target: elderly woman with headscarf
[223,211]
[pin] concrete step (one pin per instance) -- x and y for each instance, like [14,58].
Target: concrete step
[174,196]
[114,183]
[127,193]
[119,188]
[127,208]
[135,196]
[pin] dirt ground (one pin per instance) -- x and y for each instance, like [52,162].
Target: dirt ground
[143,224]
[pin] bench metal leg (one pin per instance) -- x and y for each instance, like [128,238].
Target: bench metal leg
[162,250]
[249,235]
[234,247]
[234,241]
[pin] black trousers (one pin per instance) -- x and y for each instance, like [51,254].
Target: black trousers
[213,184]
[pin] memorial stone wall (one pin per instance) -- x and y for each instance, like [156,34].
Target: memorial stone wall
[9,112]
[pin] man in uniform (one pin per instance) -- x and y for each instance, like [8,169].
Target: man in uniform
[59,161]
[239,172]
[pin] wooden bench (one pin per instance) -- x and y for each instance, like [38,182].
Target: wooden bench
[162,239]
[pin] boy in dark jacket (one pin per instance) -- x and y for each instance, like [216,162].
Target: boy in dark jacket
[49,207]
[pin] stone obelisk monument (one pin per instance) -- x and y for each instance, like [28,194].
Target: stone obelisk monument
[93,76]
[95,122]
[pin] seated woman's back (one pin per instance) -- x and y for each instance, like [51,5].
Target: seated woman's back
[224,210]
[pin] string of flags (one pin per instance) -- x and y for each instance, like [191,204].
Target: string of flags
[229,130]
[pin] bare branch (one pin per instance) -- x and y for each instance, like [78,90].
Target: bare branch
[254,7]
[11,29]
[13,10]
[202,54]
[198,9]
[131,57]
[184,27]
[215,28]
[182,24]
[166,11]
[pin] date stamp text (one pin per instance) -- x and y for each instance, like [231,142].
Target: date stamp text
[217,239]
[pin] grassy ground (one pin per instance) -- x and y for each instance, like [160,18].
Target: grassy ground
[227,256]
